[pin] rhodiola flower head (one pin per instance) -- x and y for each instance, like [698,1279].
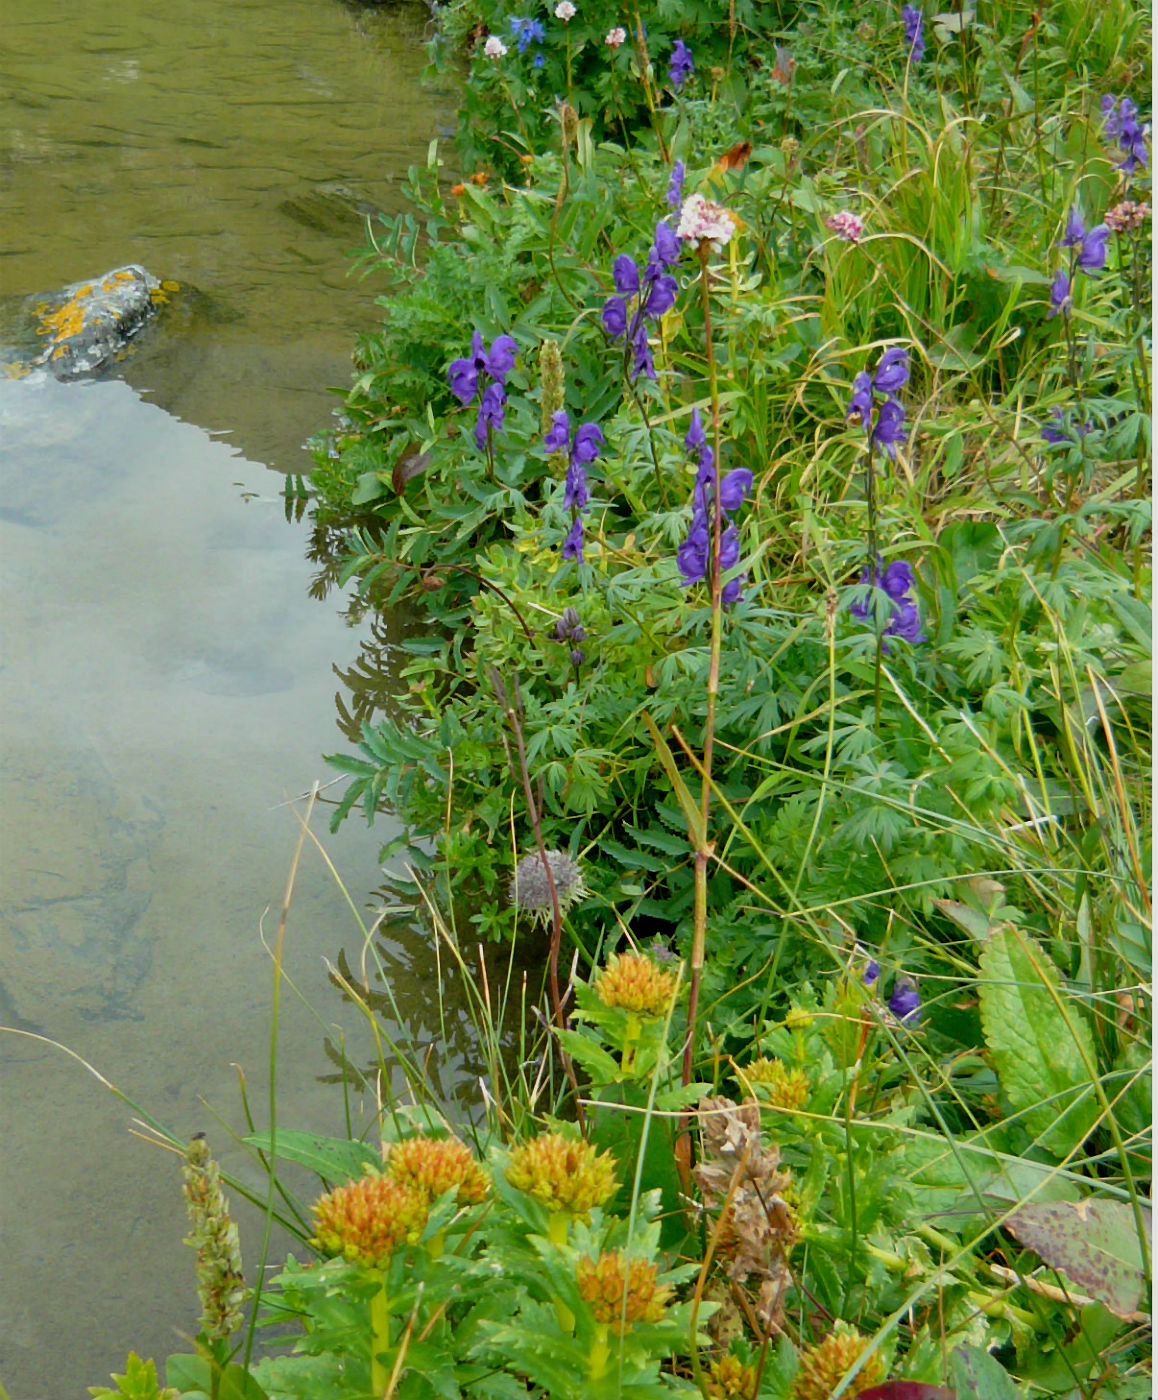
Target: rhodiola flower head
[435,1165]
[622,1292]
[634,983]
[824,1366]
[368,1220]
[563,1173]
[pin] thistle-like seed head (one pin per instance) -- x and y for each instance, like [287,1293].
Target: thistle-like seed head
[621,1292]
[531,890]
[562,1173]
[366,1221]
[433,1165]
[824,1366]
[220,1283]
[551,380]
[775,1084]
[633,982]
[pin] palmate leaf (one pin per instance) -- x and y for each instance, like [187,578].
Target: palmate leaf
[1040,1044]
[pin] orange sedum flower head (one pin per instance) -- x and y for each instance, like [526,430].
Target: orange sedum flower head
[775,1084]
[433,1166]
[731,1379]
[366,1221]
[621,1292]
[562,1173]
[824,1366]
[635,983]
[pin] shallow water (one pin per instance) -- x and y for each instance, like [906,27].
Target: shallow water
[167,689]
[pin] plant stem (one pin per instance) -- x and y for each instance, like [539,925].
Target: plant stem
[379,1338]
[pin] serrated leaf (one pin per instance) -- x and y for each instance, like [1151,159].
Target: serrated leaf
[1093,1242]
[333,1159]
[1041,1051]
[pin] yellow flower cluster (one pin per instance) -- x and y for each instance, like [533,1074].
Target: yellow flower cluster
[621,1292]
[775,1084]
[434,1165]
[635,983]
[365,1221]
[730,1379]
[564,1174]
[824,1366]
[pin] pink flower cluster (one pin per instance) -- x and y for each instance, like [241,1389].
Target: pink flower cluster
[846,225]
[701,221]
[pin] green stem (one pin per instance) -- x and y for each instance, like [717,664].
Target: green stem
[379,1338]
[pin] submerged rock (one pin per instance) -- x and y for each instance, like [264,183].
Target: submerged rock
[88,325]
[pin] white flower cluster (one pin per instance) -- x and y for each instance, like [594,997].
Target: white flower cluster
[494,47]
[564,10]
[702,221]
[616,36]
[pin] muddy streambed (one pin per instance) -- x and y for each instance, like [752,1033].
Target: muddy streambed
[167,683]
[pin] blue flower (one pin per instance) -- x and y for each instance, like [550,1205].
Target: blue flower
[496,363]
[694,554]
[614,317]
[913,20]
[491,413]
[1092,254]
[651,294]
[526,32]
[1122,121]
[1075,228]
[681,66]
[861,404]
[582,448]
[872,972]
[667,247]
[1060,298]
[892,371]
[904,1000]
[896,580]
[1062,430]
[675,186]
[889,427]
[573,544]
[625,275]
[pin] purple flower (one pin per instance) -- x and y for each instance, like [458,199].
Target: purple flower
[1062,430]
[896,581]
[675,186]
[661,297]
[558,436]
[1122,121]
[573,544]
[734,487]
[614,317]
[889,427]
[913,20]
[692,555]
[1092,255]
[1059,294]
[1075,228]
[905,1000]
[861,404]
[872,972]
[497,363]
[667,248]
[642,362]
[578,656]
[575,493]
[892,371]
[588,441]
[625,275]
[491,413]
[681,66]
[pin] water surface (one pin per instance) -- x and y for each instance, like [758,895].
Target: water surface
[167,685]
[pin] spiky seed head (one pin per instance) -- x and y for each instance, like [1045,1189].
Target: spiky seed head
[775,1084]
[563,1173]
[729,1378]
[530,889]
[634,983]
[220,1282]
[824,1366]
[434,1165]
[621,1292]
[366,1221]
[551,381]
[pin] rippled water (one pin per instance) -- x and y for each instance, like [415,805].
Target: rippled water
[167,684]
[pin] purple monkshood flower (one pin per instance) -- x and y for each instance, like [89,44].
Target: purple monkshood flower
[1121,121]
[497,363]
[582,448]
[1075,228]
[1092,254]
[573,544]
[492,411]
[693,556]
[889,428]
[614,316]
[914,21]
[892,371]
[861,404]
[681,66]
[896,581]
[1062,430]
[904,1000]
[872,972]
[667,247]
[642,298]
[675,186]
[1060,298]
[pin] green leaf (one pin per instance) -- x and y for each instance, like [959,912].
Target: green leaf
[1093,1242]
[1041,1046]
[333,1159]
[977,1376]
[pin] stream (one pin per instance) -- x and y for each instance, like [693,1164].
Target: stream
[167,683]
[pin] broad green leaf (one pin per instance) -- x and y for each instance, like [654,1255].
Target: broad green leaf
[1041,1050]
[1093,1242]
[978,1376]
[333,1159]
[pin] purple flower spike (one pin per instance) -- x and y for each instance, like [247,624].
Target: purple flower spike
[558,437]
[913,20]
[1075,228]
[491,413]
[573,544]
[667,247]
[675,186]
[897,581]
[682,66]
[662,296]
[892,371]
[1060,298]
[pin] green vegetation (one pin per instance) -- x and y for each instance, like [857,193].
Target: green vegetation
[760,432]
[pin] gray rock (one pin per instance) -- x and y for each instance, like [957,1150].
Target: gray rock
[87,326]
